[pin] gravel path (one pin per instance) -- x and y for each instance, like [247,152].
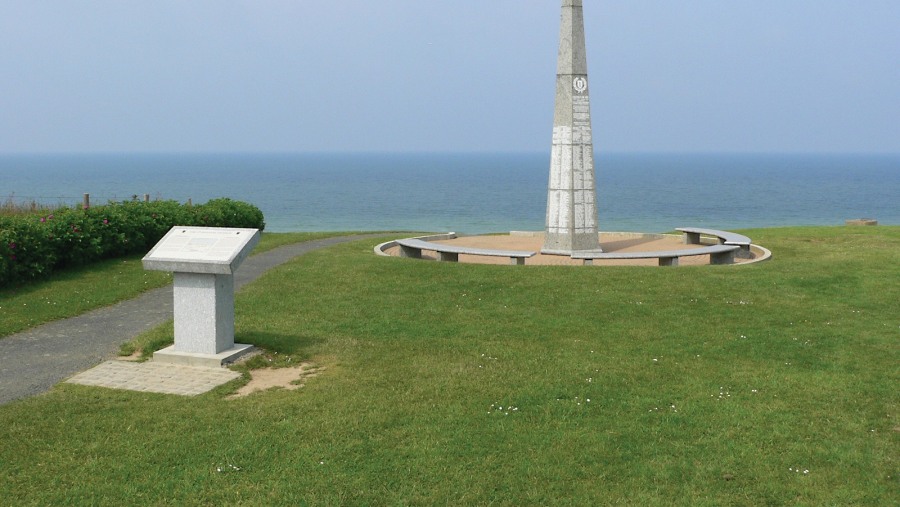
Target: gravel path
[33,361]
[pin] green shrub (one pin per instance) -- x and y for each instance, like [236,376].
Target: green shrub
[33,245]
[219,212]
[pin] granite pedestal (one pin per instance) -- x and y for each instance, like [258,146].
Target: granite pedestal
[203,260]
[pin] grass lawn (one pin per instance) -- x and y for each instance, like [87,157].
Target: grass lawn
[445,383]
[74,291]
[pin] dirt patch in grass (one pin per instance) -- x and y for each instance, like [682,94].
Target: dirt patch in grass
[282,378]
[134,356]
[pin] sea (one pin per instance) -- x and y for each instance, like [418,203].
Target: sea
[476,192]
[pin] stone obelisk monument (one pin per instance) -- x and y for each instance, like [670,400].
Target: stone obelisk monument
[571,195]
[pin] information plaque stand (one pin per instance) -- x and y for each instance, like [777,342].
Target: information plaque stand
[203,260]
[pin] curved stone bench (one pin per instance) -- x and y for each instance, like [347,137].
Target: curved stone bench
[718,254]
[412,247]
[692,237]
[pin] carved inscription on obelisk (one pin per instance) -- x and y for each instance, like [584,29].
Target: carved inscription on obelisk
[571,194]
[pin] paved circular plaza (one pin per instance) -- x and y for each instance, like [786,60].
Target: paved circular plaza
[610,242]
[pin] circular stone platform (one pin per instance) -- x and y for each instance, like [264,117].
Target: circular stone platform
[610,242]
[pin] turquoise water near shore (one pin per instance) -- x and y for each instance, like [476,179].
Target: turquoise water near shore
[478,193]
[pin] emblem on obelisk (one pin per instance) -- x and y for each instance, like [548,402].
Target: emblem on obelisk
[580,84]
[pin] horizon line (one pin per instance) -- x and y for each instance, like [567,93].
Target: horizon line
[597,153]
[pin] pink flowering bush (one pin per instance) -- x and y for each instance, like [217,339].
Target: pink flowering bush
[34,245]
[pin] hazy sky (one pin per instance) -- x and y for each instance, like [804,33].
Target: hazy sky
[445,75]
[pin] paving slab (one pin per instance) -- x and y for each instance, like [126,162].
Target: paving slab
[153,377]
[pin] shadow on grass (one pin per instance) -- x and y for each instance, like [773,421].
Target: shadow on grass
[280,343]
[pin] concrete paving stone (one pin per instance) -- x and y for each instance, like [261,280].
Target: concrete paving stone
[156,378]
